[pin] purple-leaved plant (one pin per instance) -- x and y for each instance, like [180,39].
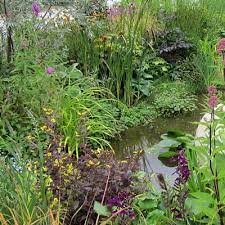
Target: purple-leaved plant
[120,205]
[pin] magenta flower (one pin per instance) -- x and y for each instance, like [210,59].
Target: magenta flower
[50,70]
[221,46]
[212,90]
[213,101]
[36,8]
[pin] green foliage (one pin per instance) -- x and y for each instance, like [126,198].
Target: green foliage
[143,113]
[173,98]
[207,63]
[83,116]
[101,210]
[21,201]
[111,47]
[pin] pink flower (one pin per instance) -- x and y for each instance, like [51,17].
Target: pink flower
[36,8]
[213,101]
[221,46]
[50,70]
[212,90]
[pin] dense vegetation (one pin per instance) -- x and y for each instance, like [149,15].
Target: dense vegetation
[73,75]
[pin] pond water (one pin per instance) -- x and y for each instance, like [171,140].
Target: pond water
[144,137]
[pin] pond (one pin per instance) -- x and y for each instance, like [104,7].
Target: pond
[144,137]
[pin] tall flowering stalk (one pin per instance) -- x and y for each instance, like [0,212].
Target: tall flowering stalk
[221,51]
[180,187]
[10,43]
[212,103]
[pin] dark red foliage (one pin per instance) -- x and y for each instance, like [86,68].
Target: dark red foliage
[78,183]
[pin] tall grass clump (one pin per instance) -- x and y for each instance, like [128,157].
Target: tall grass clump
[109,46]
[208,63]
[21,201]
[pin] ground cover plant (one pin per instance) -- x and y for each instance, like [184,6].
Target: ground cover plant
[73,75]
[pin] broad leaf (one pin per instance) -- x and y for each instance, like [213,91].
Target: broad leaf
[168,154]
[101,209]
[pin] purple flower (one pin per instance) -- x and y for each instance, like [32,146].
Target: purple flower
[50,70]
[121,201]
[36,8]
[212,90]
[221,46]
[182,168]
[213,101]
[114,12]
[115,201]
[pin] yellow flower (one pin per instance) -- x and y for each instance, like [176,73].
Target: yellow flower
[30,137]
[56,162]
[48,180]
[90,163]
[82,113]
[70,168]
[49,154]
[66,181]
[53,120]
[44,127]
[109,46]
[65,174]
[54,202]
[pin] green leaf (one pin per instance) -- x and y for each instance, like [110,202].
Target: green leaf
[77,74]
[148,204]
[101,209]
[164,69]
[202,203]
[175,133]
[154,216]
[168,154]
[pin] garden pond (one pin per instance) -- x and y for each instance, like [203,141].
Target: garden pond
[144,137]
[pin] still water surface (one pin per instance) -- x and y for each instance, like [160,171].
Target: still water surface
[144,137]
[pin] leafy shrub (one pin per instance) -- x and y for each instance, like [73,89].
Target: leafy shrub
[148,68]
[174,45]
[173,98]
[143,113]
[78,184]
